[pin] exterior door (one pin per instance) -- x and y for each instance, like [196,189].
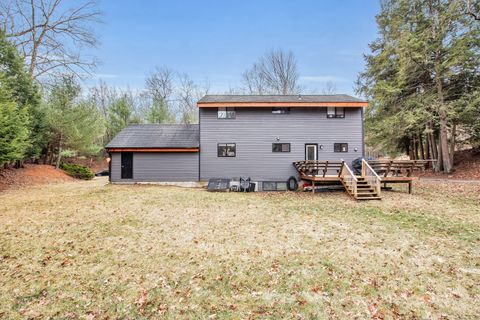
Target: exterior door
[127,165]
[311,151]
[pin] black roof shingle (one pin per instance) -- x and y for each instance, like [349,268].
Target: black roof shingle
[157,136]
[279,98]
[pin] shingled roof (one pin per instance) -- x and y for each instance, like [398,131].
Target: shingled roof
[157,136]
[279,98]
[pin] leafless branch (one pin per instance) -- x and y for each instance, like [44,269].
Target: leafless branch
[51,35]
[330,88]
[160,83]
[275,73]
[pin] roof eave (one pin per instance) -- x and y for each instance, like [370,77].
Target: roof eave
[150,149]
[356,104]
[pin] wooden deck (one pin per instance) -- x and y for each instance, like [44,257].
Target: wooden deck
[397,171]
[337,173]
[366,186]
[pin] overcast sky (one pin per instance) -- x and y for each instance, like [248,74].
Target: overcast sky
[216,41]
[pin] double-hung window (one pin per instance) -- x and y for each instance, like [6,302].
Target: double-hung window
[226,113]
[335,112]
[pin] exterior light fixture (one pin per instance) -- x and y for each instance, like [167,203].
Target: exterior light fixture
[321,147]
[277,138]
[356,149]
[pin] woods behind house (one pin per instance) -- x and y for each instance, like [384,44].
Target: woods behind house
[421,78]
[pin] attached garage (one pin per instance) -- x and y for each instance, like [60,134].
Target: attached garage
[155,153]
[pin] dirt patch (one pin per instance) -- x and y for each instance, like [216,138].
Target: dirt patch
[31,174]
[466,167]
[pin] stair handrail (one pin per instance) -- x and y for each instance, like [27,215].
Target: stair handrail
[371,176]
[349,178]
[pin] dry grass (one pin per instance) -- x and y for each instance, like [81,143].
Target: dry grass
[86,250]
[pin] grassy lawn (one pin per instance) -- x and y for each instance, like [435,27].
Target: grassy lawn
[89,250]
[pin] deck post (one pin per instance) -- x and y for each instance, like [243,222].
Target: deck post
[313,186]
[410,187]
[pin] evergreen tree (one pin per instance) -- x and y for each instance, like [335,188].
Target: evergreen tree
[421,77]
[121,113]
[76,125]
[25,93]
[14,133]
[159,112]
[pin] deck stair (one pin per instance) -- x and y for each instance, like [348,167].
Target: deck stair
[364,187]
[365,191]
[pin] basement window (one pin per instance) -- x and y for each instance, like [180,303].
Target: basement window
[274,186]
[334,112]
[340,147]
[226,150]
[226,113]
[280,147]
[280,110]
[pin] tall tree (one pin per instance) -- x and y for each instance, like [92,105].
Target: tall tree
[121,113]
[14,132]
[160,88]
[75,123]
[158,112]
[188,94]
[417,73]
[51,34]
[274,73]
[24,93]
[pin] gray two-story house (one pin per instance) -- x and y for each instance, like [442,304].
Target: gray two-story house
[256,136]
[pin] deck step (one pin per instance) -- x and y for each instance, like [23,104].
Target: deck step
[370,198]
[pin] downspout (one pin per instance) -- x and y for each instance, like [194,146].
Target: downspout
[110,168]
[199,139]
[363,133]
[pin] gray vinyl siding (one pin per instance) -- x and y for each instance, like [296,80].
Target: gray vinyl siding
[255,129]
[158,167]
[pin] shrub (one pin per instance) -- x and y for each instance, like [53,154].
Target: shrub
[77,171]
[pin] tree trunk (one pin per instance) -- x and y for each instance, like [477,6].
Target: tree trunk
[443,137]
[427,147]
[57,165]
[409,149]
[432,142]
[440,157]
[415,147]
[420,142]
[453,141]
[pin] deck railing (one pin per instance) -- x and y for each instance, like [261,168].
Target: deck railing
[349,179]
[371,177]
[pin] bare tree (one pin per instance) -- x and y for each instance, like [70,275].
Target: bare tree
[102,97]
[274,73]
[51,35]
[189,93]
[330,88]
[160,83]
[254,81]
